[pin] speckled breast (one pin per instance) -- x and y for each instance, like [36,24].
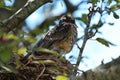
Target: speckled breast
[65,45]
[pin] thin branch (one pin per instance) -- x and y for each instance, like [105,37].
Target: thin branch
[90,36]
[84,41]
[22,14]
[41,72]
[87,35]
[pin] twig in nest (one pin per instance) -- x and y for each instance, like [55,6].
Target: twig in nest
[41,72]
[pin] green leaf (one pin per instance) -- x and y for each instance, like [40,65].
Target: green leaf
[30,39]
[115,15]
[2,4]
[5,53]
[11,36]
[94,1]
[118,0]
[83,19]
[44,50]
[109,1]
[7,68]
[108,12]
[110,43]
[43,62]
[95,27]
[22,51]
[103,41]
[6,8]
[61,78]
[114,7]
[111,23]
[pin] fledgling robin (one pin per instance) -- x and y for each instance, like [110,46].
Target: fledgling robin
[61,38]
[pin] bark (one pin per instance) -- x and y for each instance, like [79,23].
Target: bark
[22,14]
[108,71]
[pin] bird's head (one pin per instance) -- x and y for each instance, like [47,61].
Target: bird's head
[67,18]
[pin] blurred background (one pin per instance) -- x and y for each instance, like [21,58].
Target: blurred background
[45,17]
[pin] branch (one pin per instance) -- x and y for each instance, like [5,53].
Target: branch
[108,71]
[86,37]
[22,14]
[70,8]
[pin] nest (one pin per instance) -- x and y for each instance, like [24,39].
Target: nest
[46,67]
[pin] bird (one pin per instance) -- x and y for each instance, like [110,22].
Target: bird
[61,38]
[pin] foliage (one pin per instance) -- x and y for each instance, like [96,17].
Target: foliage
[61,78]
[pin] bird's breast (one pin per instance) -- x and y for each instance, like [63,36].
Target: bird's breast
[67,43]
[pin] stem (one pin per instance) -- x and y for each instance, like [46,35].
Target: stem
[81,50]
[86,37]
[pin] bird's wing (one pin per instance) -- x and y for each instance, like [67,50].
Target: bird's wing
[56,34]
